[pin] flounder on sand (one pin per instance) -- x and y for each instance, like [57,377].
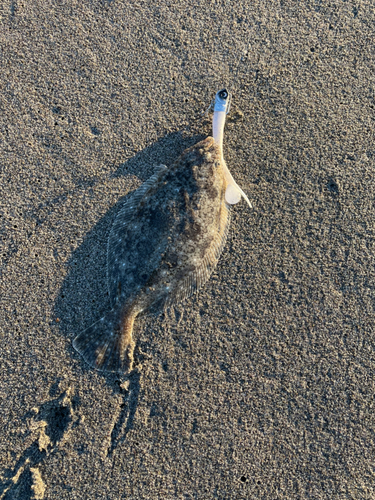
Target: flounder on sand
[164,244]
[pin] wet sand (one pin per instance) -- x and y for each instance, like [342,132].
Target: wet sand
[260,386]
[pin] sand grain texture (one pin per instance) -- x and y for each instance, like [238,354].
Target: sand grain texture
[262,385]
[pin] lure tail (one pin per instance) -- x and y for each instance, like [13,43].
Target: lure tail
[108,345]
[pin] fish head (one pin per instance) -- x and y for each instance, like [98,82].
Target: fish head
[208,164]
[200,170]
[222,101]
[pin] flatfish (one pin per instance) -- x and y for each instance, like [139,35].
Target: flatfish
[164,244]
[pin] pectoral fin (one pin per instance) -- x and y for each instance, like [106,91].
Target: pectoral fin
[234,193]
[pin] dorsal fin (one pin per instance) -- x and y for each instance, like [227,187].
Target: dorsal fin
[197,278]
[126,214]
[129,208]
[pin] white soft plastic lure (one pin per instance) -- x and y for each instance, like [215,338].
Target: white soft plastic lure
[233,192]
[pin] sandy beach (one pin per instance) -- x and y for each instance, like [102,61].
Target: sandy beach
[261,385]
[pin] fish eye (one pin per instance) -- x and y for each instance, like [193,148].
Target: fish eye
[223,94]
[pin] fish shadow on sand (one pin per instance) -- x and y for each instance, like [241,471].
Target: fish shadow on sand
[83,297]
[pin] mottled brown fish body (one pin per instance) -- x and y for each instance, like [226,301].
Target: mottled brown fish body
[163,246]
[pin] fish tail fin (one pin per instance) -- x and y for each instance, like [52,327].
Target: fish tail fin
[108,344]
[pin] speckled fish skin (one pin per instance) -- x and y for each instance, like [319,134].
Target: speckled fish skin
[163,246]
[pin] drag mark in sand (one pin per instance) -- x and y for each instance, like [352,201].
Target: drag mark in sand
[124,421]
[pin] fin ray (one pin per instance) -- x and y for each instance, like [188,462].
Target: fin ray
[197,278]
[105,345]
[125,216]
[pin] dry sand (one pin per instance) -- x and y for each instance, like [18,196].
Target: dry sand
[262,385]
